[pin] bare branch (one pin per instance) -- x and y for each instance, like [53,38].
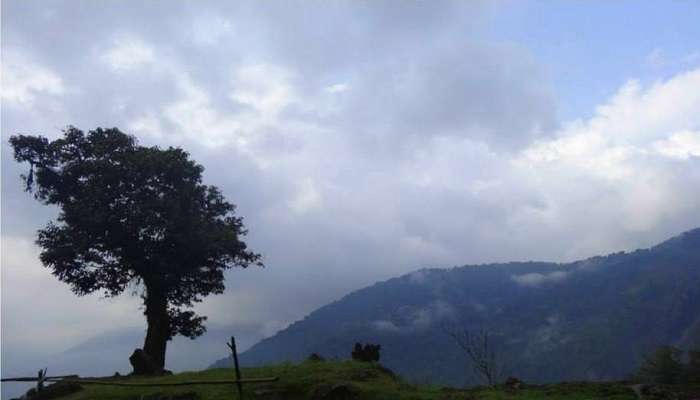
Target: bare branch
[479,349]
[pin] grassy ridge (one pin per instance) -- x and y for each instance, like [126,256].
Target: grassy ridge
[364,381]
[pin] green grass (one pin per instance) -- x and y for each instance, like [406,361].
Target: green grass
[368,381]
[573,391]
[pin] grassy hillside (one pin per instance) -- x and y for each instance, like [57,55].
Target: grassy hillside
[311,380]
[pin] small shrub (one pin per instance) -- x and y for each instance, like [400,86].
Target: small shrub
[663,366]
[366,353]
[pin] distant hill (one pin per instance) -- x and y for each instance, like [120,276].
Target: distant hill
[591,319]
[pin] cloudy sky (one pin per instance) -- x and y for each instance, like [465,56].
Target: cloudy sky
[360,139]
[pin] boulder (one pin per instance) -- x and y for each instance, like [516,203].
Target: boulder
[143,364]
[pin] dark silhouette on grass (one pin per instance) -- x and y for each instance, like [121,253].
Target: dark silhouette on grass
[366,353]
[134,217]
[670,365]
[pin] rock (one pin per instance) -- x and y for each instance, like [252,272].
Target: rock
[340,391]
[143,364]
[366,353]
[315,357]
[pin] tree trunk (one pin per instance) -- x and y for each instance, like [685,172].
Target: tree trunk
[158,328]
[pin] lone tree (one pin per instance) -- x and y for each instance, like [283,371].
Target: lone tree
[478,346]
[134,217]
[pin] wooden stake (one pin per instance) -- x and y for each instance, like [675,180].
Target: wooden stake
[41,377]
[232,346]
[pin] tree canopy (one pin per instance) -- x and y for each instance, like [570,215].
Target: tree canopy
[134,217]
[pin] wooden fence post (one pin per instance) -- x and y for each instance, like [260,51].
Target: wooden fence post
[41,377]
[232,346]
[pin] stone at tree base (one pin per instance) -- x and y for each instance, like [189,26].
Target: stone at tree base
[143,364]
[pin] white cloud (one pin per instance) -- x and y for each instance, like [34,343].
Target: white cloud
[70,319]
[195,117]
[612,172]
[431,314]
[147,124]
[629,122]
[307,198]
[680,145]
[412,319]
[264,87]
[127,53]
[259,93]
[209,30]
[337,88]
[536,279]
[385,326]
[23,80]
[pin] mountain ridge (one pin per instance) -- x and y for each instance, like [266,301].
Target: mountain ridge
[588,319]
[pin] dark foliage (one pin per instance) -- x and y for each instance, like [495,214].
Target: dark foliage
[134,217]
[663,366]
[692,369]
[54,391]
[667,365]
[367,353]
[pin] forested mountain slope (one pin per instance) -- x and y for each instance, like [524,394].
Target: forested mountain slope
[591,319]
